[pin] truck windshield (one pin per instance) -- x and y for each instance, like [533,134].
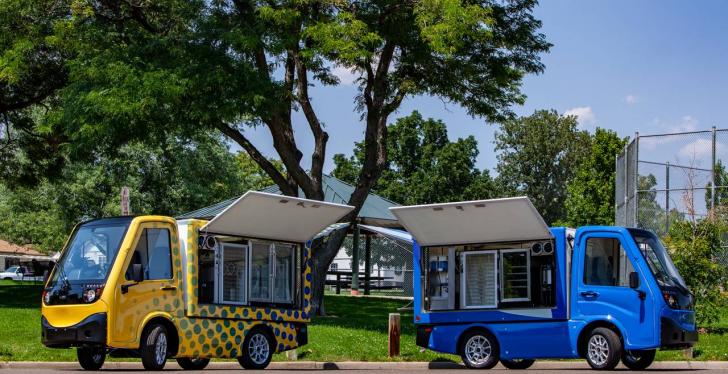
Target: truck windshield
[658,259]
[90,253]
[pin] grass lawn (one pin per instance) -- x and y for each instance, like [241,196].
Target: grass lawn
[354,330]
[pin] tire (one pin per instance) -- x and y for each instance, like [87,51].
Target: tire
[193,363]
[479,349]
[154,347]
[638,359]
[603,349]
[517,364]
[91,358]
[257,349]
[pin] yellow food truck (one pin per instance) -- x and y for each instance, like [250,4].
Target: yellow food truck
[236,286]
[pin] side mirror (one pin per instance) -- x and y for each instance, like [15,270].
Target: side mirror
[634,280]
[137,273]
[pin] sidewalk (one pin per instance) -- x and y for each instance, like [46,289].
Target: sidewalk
[311,365]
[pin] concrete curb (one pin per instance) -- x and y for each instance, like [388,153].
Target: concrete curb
[355,365]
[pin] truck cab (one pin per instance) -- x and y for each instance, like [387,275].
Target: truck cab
[496,283]
[235,286]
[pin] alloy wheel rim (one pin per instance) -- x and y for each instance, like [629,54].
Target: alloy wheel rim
[478,350]
[258,349]
[160,349]
[598,350]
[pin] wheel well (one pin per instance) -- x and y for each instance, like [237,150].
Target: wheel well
[471,329]
[584,334]
[171,333]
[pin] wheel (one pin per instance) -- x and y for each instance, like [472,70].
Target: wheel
[7,278]
[517,364]
[603,349]
[479,349]
[91,358]
[193,363]
[257,350]
[154,349]
[638,359]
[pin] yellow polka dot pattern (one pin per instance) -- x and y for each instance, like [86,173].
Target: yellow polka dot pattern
[217,331]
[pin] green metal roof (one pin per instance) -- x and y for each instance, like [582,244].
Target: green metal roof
[375,210]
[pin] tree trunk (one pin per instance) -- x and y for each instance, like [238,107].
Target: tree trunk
[324,251]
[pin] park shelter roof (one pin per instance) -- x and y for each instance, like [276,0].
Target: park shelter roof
[472,222]
[374,212]
[270,216]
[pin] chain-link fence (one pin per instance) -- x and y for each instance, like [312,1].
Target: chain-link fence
[389,265]
[666,177]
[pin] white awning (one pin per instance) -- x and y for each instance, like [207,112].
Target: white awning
[276,217]
[400,235]
[470,222]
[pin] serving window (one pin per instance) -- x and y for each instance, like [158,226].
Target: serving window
[236,271]
[489,276]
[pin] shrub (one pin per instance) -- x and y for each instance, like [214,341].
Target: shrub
[694,248]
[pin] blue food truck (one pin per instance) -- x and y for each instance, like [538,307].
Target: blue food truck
[494,282]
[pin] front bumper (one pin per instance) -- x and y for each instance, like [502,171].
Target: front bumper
[90,331]
[673,336]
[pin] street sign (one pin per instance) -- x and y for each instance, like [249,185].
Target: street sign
[125,201]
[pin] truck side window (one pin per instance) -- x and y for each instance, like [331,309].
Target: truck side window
[606,263]
[153,252]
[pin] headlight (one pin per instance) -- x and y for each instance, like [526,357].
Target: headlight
[670,299]
[46,297]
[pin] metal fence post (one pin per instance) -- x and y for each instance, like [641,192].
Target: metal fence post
[636,175]
[626,185]
[712,176]
[667,196]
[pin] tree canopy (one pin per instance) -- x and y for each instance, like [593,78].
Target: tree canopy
[424,166]
[539,156]
[590,194]
[120,71]
[178,176]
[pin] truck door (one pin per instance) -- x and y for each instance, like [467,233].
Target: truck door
[603,292]
[156,292]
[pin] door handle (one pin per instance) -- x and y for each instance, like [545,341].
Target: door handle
[589,294]
[169,288]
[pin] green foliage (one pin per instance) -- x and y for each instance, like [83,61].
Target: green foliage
[175,177]
[590,194]
[694,247]
[424,165]
[721,191]
[539,156]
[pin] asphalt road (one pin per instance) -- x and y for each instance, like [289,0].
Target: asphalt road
[551,367]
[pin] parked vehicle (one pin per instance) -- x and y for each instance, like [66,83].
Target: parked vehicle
[19,273]
[498,284]
[237,286]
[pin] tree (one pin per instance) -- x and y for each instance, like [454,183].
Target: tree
[142,70]
[539,156]
[179,176]
[590,194]
[423,166]
[721,191]
[694,247]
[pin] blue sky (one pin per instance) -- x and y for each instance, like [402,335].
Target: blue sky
[648,66]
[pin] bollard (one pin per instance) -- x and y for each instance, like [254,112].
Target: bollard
[394,332]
